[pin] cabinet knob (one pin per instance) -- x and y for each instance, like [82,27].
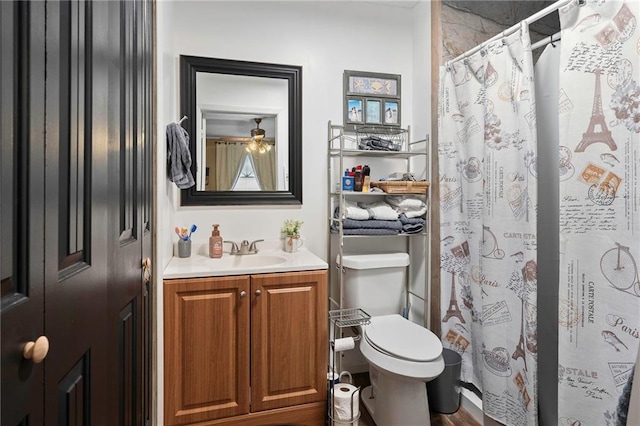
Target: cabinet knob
[36,351]
[243,293]
[258,292]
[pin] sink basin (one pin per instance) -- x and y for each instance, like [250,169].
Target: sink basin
[252,261]
[246,261]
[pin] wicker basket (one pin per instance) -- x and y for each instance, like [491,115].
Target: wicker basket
[401,187]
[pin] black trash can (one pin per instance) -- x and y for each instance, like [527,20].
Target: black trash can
[444,391]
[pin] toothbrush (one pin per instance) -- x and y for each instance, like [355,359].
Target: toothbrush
[192,230]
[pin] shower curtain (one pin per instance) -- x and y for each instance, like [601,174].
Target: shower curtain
[599,306]
[488,187]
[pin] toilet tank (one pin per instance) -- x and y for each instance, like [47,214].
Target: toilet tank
[375,282]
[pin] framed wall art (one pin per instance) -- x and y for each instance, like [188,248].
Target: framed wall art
[391,112]
[355,112]
[373,112]
[379,96]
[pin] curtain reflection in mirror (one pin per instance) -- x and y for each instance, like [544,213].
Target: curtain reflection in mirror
[226,162]
[265,170]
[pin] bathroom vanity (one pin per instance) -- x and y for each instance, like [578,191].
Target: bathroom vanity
[245,339]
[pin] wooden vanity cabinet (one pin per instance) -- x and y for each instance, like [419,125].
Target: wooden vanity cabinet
[246,350]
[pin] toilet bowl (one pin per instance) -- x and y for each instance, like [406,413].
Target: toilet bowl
[403,356]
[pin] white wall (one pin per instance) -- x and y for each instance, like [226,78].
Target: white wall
[325,38]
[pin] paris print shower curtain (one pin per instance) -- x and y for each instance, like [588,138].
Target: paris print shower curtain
[599,306]
[488,187]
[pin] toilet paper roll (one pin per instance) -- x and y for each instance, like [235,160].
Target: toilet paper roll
[344,344]
[343,396]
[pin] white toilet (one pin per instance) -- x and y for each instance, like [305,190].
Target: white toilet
[402,356]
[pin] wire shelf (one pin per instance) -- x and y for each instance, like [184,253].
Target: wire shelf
[349,317]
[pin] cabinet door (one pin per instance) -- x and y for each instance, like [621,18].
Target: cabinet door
[206,349]
[288,339]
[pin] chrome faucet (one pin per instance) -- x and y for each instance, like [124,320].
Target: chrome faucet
[245,247]
[252,248]
[234,247]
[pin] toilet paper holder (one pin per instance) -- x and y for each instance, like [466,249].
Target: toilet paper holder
[339,319]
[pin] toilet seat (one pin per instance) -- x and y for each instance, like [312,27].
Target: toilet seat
[400,338]
[396,356]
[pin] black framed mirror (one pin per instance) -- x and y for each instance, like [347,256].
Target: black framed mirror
[245,125]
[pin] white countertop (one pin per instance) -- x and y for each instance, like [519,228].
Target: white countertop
[270,258]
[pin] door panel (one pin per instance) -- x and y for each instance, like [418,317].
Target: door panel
[288,318]
[23,186]
[129,218]
[206,348]
[73,394]
[75,226]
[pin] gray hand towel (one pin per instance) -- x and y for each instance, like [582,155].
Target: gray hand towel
[179,156]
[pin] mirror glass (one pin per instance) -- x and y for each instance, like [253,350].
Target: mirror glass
[229,158]
[244,122]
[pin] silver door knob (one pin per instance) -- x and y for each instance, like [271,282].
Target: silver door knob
[258,292]
[243,293]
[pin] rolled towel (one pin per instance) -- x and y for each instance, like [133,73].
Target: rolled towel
[352,211]
[410,220]
[412,228]
[380,210]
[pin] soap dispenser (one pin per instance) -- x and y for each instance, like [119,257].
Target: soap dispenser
[215,243]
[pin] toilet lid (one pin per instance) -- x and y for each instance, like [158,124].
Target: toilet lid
[401,338]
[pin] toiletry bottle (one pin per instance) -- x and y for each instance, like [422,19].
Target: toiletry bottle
[357,183]
[366,181]
[347,181]
[215,243]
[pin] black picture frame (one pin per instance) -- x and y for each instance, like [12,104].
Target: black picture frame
[189,66]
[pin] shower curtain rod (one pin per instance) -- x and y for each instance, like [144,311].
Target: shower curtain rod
[533,18]
[552,38]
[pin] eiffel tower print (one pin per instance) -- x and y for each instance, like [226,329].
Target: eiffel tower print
[597,119]
[454,309]
[519,352]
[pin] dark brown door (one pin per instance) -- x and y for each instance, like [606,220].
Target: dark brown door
[81,140]
[23,186]
[129,218]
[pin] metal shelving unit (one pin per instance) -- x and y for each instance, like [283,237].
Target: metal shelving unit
[343,145]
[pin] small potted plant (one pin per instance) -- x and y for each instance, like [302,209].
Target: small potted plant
[291,232]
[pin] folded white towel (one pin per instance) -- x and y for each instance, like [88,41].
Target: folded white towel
[405,202]
[416,213]
[380,210]
[352,211]
[411,206]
